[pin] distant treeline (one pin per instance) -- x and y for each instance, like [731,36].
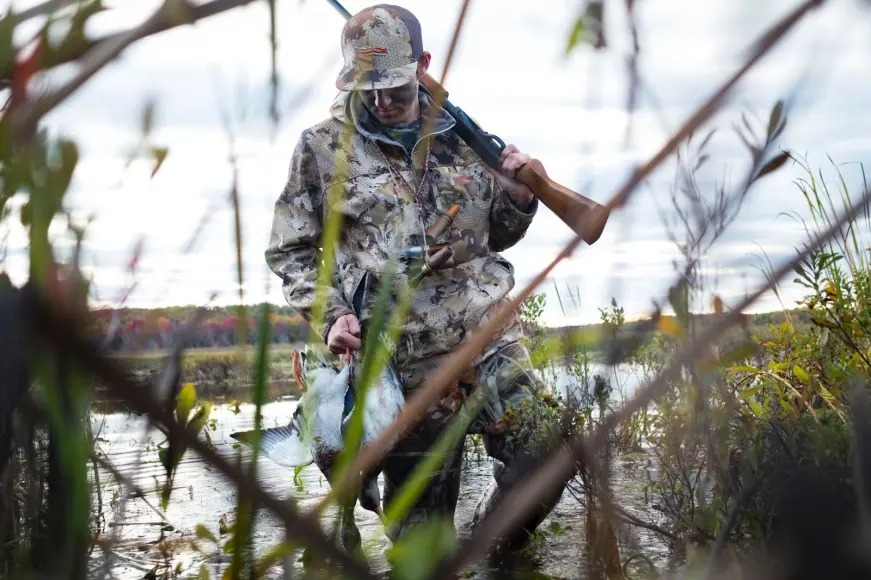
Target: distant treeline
[137,329]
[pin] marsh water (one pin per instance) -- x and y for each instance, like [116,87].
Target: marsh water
[201,495]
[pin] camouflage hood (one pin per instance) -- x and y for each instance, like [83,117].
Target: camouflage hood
[377,189]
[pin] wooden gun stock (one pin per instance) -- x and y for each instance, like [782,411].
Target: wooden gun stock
[584,216]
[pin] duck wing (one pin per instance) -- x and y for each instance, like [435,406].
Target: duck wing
[384,401]
[283,445]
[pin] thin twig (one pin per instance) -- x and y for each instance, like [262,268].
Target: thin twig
[433,388]
[454,39]
[193,14]
[635,521]
[133,489]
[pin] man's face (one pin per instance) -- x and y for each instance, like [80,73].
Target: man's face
[394,105]
[397,104]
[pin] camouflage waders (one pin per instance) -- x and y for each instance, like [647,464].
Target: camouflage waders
[510,387]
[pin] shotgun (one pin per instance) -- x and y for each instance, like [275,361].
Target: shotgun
[584,216]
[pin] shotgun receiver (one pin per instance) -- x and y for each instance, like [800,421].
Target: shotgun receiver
[584,216]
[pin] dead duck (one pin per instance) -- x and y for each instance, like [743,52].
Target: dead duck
[317,429]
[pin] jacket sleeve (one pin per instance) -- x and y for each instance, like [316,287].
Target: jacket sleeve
[293,250]
[508,223]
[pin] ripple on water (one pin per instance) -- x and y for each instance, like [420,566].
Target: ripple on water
[201,495]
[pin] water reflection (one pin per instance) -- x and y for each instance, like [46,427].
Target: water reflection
[201,495]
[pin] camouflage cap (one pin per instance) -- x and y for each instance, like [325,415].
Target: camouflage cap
[381,46]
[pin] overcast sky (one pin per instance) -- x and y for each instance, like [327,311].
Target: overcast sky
[510,74]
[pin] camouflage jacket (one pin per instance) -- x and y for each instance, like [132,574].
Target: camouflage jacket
[343,165]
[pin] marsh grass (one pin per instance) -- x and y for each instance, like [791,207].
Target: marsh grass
[725,425]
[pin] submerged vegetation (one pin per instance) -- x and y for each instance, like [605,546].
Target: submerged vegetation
[753,431]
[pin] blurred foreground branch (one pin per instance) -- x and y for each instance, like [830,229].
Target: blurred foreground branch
[61,331]
[98,53]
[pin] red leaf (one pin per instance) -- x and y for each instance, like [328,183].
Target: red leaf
[23,71]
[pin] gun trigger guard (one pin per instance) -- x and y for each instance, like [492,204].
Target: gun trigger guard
[496,140]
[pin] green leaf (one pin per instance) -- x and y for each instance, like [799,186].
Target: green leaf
[203,533]
[7,48]
[165,491]
[758,409]
[801,374]
[739,353]
[576,36]
[742,369]
[159,155]
[148,118]
[60,176]
[163,456]
[297,480]
[187,397]
[204,573]
[201,417]
[747,393]
[229,545]
[678,297]
[827,395]
[414,555]
[774,118]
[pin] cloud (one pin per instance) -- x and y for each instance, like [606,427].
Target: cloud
[510,74]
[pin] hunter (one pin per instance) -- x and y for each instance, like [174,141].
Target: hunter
[397,165]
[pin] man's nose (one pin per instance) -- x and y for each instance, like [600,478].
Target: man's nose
[382,99]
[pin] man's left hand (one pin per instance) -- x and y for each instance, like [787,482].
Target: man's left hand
[510,161]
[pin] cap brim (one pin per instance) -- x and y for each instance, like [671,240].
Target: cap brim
[352,80]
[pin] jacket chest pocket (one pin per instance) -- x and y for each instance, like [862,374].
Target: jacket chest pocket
[367,199]
[373,215]
[466,186]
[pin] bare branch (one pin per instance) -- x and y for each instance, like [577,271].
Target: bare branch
[106,50]
[193,14]
[43,9]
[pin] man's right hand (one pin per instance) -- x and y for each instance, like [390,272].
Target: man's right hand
[344,335]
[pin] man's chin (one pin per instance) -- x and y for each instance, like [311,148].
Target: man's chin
[389,118]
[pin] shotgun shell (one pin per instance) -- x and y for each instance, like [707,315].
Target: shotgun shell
[413,253]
